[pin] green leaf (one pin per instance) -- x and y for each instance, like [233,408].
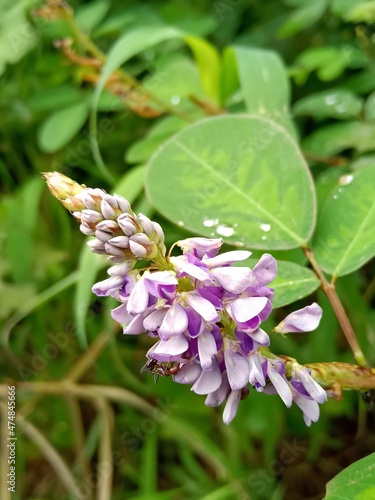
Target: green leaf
[344,239]
[333,139]
[88,16]
[333,103]
[208,62]
[56,97]
[369,109]
[60,127]
[141,150]
[293,282]
[131,184]
[17,36]
[229,81]
[355,482]
[364,11]
[265,84]
[240,177]
[329,62]
[302,18]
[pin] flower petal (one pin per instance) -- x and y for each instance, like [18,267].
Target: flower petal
[206,349]
[246,308]
[226,258]
[138,298]
[233,279]
[231,407]
[173,346]
[188,374]
[265,271]
[153,321]
[202,307]
[175,322]
[121,315]
[135,327]
[280,384]
[209,380]
[237,369]
[303,320]
[218,397]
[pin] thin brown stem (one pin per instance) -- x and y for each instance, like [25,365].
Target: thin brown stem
[329,290]
[93,49]
[105,465]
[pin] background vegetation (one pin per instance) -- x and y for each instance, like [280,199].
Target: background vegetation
[55,329]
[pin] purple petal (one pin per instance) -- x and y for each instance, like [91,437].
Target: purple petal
[175,322]
[202,307]
[237,369]
[153,321]
[138,299]
[218,397]
[135,327]
[215,332]
[257,373]
[246,342]
[312,387]
[121,315]
[280,384]
[303,320]
[201,246]
[195,323]
[233,279]
[265,271]
[231,407]
[206,349]
[309,407]
[160,284]
[108,286]
[244,309]
[188,374]
[209,380]
[173,346]
[196,272]
[227,258]
[261,337]
[212,293]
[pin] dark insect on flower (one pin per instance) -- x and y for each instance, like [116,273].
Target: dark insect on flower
[157,368]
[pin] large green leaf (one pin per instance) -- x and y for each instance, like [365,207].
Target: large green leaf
[333,139]
[62,126]
[265,84]
[241,177]
[138,40]
[293,282]
[356,482]
[344,239]
[303,17]
[332,103]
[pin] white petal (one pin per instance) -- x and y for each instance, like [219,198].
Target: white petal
[206,349]
[231,407]
[202,306]
[175,322]
[226,258]
[138,298]
[233,279]
[209,380]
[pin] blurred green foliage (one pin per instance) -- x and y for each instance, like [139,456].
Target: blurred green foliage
[48,312]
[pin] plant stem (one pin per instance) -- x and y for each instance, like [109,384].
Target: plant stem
[329,290]
[93,49]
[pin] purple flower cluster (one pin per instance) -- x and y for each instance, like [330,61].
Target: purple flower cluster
[206,314]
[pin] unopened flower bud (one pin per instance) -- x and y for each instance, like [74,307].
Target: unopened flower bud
[107,210]
[91,216]
[120,269]
[86,230]
[120,241]
[127,224]
[142,247]
[97,246]
[109,226]
[146,224]
[122,202]
[61,186]
[112,250]
[158,230]
[103,235]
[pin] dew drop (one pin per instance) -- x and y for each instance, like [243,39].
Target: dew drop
[239,244]
[264,237]
[180,223]
[265,227]
[330,99]
[175,99]
[210,222]
[224,230]
[345,179]
[336,197]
